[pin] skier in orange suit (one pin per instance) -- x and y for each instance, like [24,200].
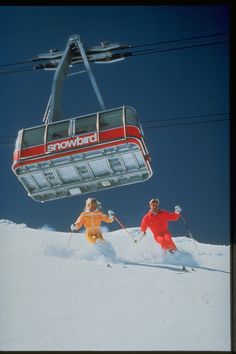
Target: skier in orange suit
[157,221]
[91,219]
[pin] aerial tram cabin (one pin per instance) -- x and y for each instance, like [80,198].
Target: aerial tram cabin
[82,154]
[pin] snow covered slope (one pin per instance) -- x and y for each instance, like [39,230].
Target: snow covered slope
[55,297]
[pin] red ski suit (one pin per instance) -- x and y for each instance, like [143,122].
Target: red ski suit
[158,224]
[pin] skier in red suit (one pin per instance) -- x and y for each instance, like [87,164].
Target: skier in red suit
[157,221]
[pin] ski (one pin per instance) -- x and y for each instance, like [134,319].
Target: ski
[189,269]
[181,252]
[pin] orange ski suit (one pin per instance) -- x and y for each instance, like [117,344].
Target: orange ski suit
[91,220]
[158,224]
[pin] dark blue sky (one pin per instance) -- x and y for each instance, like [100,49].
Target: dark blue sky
[190,156]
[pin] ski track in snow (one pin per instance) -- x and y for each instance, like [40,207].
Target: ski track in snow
[55,297]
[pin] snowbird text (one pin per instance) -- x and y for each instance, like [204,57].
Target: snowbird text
[78,141]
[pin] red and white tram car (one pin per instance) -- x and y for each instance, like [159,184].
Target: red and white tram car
[82,155]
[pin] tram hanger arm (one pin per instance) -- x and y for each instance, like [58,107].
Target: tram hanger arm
[54,111]
[74,47]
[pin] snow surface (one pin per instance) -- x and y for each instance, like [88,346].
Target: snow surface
[55,297]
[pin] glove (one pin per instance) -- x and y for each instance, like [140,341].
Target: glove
[73,227]
[177,209]
[111,214]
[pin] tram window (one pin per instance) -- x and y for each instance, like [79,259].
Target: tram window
[111,119]
[58,131]
[85,125]
[131,116]
[33,137]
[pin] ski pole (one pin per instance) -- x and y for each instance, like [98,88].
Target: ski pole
[69,239]
[123,227]
[189,232]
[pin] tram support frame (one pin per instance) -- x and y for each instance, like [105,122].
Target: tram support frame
[53,111]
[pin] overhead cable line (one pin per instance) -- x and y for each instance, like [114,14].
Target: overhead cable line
[181,39]
[10,140]
[179,44]
[186,123]
[17,63]
[128,54]
[154,51]
[152,48]
[16,71]
[94,18]
[11,143]
[187,117]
